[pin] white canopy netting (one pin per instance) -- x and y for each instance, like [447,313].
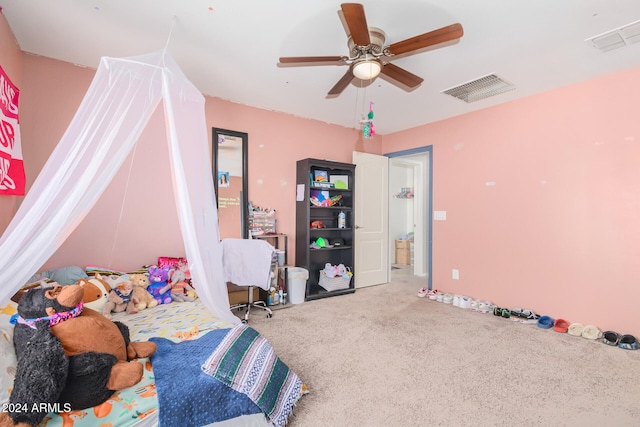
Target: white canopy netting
[114,112]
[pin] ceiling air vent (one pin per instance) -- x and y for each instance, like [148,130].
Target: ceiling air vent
[481,88]
[619,37]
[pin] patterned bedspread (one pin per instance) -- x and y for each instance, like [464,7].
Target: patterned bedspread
[175,322]
[245,361]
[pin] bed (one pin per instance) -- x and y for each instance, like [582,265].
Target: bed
[186,335]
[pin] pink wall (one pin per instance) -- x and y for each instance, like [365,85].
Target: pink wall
[135,221]
[11,62]
[558,233]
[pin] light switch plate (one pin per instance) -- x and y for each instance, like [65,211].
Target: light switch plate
[455,274]
[440,215]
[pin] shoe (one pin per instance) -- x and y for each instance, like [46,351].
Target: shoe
[456,300]
[628,342]
[465,302]
[611,338]
[560,325]
[517,312]
[432,294]
[575,329]
[475,305]
[423,292]
[545,322]
[485,307]
[440,297]
[528,317]
[591,332]
[447,298]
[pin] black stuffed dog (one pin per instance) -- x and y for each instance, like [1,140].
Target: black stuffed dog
[68,355]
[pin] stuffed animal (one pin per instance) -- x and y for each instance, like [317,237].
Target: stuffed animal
[158,284]
[121,298]
[68,355]
[179,285]
[140,284]
[96,292]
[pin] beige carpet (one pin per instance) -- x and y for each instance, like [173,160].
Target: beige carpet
[384,357]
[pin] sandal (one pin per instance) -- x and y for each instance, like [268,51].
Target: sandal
[591,332]
[628,342]
[575,329]
[545,322]
[560,325]
[611,338]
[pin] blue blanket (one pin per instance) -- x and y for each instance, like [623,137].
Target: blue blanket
[186,395]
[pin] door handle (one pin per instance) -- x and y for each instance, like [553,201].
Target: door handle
[357,227]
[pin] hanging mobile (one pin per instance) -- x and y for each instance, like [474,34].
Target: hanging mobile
[369,130]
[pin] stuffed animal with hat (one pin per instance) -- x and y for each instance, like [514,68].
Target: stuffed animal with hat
[68,355]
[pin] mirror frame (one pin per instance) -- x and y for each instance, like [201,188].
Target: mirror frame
[244,200]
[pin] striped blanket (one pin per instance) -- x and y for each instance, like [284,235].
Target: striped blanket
[246,362]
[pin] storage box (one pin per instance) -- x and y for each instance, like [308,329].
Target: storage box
[403,252]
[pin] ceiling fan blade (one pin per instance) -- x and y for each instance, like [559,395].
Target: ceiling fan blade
[441,35]
[343,21]
[401,75]
[342,83]
[357,23]
[301,59]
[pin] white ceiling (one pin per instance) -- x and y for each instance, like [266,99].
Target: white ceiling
[230,48]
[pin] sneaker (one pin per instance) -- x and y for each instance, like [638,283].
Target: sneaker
[432,294]
[465,302]
[456,300]
[440,297]
[447,299]
[423,292]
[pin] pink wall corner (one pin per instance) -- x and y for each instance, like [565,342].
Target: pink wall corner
[542,198]
[11,63]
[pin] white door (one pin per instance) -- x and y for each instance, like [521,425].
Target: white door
[371,219]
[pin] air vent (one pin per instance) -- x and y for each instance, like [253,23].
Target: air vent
[481,88]
[619,37]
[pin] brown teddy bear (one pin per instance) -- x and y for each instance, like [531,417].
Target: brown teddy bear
[121,298]
[140,283]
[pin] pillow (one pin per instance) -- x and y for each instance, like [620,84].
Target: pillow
[8,360]
[64,275]
[170,261]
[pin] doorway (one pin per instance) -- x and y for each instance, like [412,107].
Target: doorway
[410,211]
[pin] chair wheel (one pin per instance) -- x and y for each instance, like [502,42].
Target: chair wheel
[244,320]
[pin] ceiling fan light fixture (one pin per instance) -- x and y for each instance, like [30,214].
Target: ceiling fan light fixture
[366,69]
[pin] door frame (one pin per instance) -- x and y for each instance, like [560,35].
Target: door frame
[429,176]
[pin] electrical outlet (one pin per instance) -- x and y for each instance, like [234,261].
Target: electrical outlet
[455,274]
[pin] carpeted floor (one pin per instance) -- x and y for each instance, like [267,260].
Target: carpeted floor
[384,357]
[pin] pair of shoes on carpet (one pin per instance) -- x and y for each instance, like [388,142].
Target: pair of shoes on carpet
[524,316]
[502,312]
[627,342]
[590,332]
[561,325]
[426,292]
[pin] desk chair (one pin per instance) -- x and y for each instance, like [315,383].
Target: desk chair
[248,262]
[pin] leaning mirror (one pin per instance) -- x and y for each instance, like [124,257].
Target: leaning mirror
[230,174]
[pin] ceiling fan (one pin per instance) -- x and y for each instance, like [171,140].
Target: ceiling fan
[368,55]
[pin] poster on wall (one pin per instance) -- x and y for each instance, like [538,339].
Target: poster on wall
[12,178]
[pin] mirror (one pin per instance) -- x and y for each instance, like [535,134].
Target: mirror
[230,167]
